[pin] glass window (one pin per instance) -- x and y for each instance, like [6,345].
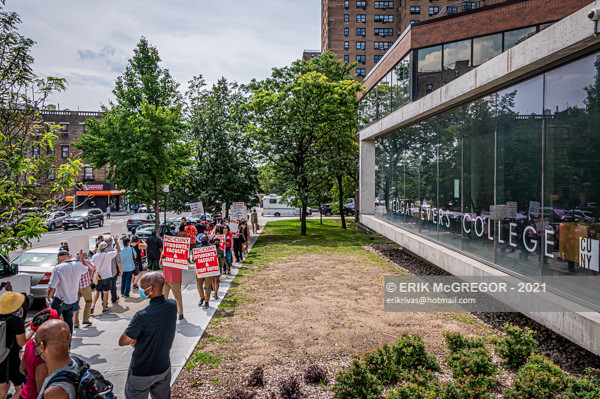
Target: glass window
[415,10]
[361,4]
[361,72]
[346,31]
[65,151]
[361,18]
[346,18]
[452,10]
[346,4]
[429,59]
[88,172]
[384,95]
[457,55]
[361,58]
[383,32]
[515,37]
[377,58]
[346,58]
[469,5]
[384,5]
[361,31]
[346,45]
[384,18]
[485,48]
[434,10]
[361,45]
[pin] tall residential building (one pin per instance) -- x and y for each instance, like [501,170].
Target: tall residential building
[363,30]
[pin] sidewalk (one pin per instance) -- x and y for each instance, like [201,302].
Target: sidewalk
[98,343]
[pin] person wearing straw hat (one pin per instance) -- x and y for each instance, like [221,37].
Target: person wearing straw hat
[10,303]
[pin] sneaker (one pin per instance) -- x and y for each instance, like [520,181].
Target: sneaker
[88,323]
[180,317]
[76,326]
[201,302]
[205,306]
[135,286]
[106,310]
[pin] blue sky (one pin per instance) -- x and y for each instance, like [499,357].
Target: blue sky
[89,43]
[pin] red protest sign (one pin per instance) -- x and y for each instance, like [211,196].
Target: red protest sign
[221,238]
[176,251]
[207,264]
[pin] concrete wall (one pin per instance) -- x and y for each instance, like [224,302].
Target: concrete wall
[560,42]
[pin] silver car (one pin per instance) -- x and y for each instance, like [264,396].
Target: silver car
[55,219]
[38,263]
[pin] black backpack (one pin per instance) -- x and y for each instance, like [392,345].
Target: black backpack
[89,383]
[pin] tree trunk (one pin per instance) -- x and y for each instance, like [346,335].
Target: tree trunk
[321,213]
[303,218]
[339,179]
[156,209]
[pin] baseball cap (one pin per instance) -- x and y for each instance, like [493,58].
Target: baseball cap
[63,252]
[102,246]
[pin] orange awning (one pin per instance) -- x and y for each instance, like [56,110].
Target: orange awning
[103,193]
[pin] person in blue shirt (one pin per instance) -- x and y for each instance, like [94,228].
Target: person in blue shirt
[127,259]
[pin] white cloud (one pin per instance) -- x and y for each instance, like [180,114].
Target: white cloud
[89,43]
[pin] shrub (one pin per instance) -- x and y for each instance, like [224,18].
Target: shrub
[381,364]
[471,362]
[357,382]
[422,377]
[256,378]
[471,387]
[241,394]
[290,389]
[315,374]
[457,342]
[410,390]
[539,378]
[586,387]
[517,346]
[409,353]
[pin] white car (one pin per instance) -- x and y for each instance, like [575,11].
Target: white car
[19,282]
[38,264]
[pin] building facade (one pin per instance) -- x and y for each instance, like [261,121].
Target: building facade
[91,188]
[478,148]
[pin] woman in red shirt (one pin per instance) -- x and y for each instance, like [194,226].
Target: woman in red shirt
[228,239]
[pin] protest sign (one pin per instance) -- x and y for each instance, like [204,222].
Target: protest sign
[238,211]
[221,238]
[176,251]
[511,210]
[534,209]
[234,226]
[207,264]
[197,209]
[77,244]
[116,229]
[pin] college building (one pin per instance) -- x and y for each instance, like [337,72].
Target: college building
[479,150]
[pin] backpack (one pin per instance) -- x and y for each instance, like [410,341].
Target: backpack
[4,351]
[89,383]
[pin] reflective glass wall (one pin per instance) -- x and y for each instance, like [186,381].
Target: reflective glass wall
[511,178]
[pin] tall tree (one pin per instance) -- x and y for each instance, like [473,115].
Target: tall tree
[26,143]
[142,135]
[221,171]
[294,111]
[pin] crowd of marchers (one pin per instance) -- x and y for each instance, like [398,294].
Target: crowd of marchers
[35,357]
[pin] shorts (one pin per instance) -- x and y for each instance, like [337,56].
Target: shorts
[10,373]
[104,285]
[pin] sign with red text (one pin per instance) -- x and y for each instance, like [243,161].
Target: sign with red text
[207,264]
[176,251]
[234,226]
[237,211]
[221,238]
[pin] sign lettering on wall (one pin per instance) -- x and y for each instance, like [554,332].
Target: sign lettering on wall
[588,254]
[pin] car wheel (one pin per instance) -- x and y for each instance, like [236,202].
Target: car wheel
[65,228]
[350,213]
[101,222]
[86,225]
[277,214]
[327,213]
[52,227]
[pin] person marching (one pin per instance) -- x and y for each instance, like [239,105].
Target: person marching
[204,284]
[228,244]
[217,279]
[10,304]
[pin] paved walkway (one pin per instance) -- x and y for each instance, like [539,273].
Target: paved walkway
[98,344]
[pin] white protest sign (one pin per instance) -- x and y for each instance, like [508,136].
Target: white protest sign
[176,252]
[197,209]
[511,210]
[78,243]
[588,254]
[116,229]
[234,226]
[534,208]
[237,211]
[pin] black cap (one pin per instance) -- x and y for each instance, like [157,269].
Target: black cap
[63,252]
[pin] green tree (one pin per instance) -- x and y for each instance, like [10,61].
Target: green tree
[222,171]
[295,111]
[142,135]
[26,143]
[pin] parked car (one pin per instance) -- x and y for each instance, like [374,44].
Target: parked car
[350,207]
[326,209]
[556,215]
[143,209]
[84,219]
[37,265]
[582,216]
[55,220]
[144,232]
[139,219]
[20,279]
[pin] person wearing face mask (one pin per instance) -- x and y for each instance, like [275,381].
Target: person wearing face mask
[32,366]
[151,333]
[10,303]
[228,243]
[204,284]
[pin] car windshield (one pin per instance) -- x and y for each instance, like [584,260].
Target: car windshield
[78,214]
[140,216]
[37,259]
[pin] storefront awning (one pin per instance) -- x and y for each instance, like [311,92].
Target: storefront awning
[101,192]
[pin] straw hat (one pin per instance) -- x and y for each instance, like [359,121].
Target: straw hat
[11,302]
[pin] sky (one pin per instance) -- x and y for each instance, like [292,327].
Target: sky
[89,42]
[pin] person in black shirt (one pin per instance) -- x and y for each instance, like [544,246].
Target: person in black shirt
[151,333]
[10,303]
[137,246]
[155,246]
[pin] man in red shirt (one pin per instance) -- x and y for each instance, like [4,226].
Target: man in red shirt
[191,232]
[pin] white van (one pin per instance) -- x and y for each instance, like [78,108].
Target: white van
[273,206]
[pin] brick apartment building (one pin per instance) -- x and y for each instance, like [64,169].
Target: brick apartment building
[92,188]
[363,31]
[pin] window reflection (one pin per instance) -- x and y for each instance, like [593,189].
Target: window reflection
[515,37]
[485,48]
[430,59]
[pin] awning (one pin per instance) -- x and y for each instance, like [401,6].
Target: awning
[101,193]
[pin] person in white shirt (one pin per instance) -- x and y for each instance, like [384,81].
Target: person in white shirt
[64,285]
[102,261]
